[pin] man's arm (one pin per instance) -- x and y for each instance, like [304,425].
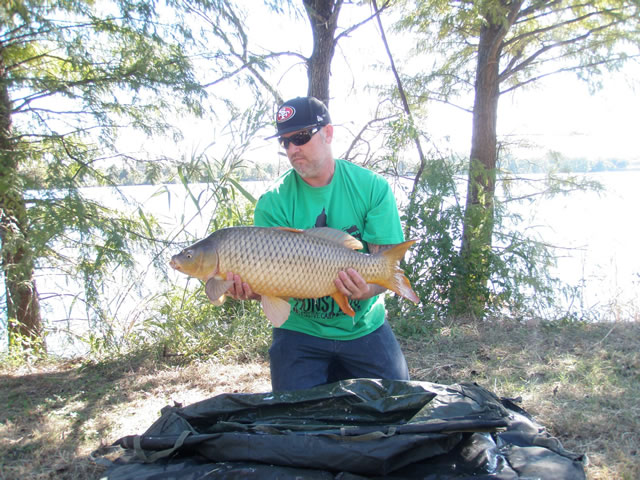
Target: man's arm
[351,283]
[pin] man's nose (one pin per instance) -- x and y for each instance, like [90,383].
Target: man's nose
[292,148]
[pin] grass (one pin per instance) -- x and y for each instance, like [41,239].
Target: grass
[581,381]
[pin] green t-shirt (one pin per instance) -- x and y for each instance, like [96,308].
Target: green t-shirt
[357,201]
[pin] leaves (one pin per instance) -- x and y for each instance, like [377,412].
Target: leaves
[73,76]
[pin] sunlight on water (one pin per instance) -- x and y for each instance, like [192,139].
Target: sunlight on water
[602,232]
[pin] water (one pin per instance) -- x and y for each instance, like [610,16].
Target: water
[600,232]
[597,232]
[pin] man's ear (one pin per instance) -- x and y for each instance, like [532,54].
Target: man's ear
[328,134]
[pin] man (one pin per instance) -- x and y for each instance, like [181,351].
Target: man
[319,344]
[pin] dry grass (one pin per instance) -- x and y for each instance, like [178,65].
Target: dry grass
[55,415]
[581,381]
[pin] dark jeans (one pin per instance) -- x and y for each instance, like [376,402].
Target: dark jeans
[300,361]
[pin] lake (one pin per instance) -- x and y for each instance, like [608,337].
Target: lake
[598,233]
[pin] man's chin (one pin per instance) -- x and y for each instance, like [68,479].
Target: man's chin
[302,173]
[300,167]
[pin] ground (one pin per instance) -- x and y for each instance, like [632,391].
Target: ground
[581,381]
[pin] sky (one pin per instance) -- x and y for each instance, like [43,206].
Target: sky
[559,114]
[565,116]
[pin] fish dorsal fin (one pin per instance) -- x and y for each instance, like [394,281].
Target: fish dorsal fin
[215,290]
[289,229]
[276,309]
[336,236]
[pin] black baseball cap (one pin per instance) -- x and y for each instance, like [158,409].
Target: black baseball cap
[300,113]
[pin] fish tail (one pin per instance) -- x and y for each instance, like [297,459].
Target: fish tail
[396,281]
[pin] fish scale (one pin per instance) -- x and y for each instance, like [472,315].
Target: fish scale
[280,263]
[270,264]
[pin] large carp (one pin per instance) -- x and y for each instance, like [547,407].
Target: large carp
[281,263]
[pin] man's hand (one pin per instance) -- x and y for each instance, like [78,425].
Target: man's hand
[240,290]
[351,283]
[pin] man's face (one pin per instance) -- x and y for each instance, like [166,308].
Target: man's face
[311,159]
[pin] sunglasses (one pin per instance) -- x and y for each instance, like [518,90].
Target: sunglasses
[299,138]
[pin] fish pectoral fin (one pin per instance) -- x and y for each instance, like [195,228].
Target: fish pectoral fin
[343,302]
[216,289]
[276,309]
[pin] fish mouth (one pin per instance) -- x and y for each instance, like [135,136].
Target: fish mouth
[174,264]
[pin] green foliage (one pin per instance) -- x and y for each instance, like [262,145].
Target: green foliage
[186,324]
[539,39]
[22,349]
[519,264]
[493,48]
[182,319]
[434,219]
[72,76]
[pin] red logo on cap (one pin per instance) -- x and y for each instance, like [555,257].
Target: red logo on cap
[285,113]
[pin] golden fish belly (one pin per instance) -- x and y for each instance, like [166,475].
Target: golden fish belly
[285,264]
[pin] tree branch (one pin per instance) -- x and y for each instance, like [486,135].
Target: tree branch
[566,69]
[348,31]
[522,65]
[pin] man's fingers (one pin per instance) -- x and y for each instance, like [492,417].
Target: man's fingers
[237,284]
[235,290]
[351,283]
[247,293]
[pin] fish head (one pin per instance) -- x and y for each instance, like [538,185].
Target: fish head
[197,260]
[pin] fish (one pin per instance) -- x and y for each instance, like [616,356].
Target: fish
[280,263]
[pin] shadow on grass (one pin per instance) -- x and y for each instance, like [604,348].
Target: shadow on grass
[47,415]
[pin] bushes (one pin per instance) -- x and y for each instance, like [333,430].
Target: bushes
[186,324]
[520,283]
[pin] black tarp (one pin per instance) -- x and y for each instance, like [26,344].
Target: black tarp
[351,429]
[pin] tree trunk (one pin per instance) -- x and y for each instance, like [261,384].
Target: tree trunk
[17,258]
[471,292]
[323,16]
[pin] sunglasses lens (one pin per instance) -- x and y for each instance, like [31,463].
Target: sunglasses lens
[298,139]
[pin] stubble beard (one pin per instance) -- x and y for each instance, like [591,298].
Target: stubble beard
[307,169]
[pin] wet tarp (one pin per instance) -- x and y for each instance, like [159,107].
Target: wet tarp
[351,429]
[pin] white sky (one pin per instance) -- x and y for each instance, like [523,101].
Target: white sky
[559,115]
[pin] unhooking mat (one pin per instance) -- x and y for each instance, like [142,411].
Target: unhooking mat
[352,429]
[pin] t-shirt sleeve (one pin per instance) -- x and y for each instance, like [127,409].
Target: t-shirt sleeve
[263,215]
[382,223]
[269,213]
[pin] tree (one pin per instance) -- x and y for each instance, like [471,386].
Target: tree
[495,47]
[72,74]
[323,18]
